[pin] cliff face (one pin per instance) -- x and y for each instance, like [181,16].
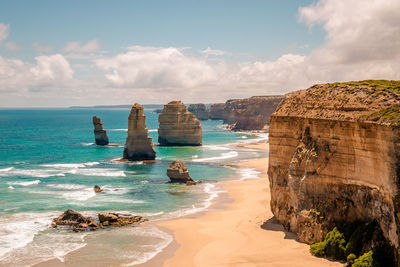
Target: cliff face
[100,135]
[250,113]
[199,110]
[138,145]
[217,111]
[335,157]
[178,126]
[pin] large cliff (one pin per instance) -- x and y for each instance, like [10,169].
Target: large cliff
[335,158]
[199,110]
[178,126]
[217,111]
[250,113]
[138,145]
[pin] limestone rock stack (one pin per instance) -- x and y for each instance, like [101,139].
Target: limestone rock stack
[217,111]
[178,126]
[138,145]
[199,110]
[100,135]
[250,113]
[178,172]
[334,158]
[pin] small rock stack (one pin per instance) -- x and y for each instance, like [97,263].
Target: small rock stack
[100,135]
[199,110]
[178,126]
[138,145]
[178,172]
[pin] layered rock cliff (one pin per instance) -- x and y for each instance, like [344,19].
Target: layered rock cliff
[250,113]
[199,110]
[217,111]
[335,158]
[178,126]
[100,135]
[138,144]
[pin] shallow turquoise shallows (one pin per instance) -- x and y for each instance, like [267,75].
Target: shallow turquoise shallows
[49,163]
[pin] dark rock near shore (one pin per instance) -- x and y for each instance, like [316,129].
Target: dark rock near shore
[109,219]
[199,110]
[217,111]
[97,189]
[100,135]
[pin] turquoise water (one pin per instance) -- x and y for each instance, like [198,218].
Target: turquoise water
[48,163]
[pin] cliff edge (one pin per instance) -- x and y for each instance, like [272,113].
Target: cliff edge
[335,157]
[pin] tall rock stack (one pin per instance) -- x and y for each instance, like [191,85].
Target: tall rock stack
[138,145]
[100,135]
[178,126]
[199,110]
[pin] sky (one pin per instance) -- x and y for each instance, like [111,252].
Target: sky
[64,53]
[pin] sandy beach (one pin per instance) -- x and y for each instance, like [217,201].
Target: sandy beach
[243,234]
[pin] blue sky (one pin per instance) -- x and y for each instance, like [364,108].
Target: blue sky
[261,29]
[62,53]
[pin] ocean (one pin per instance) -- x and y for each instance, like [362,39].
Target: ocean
[49,163]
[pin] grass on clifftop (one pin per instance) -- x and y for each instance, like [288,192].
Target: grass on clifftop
[383,85]
[389,115]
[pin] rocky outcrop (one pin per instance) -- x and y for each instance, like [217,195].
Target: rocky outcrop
[100,135]
[217,111]
[178,172]
[78,223]
[334,158]
[178,126]
[250,113]
[97,189]
[138,144]
[199,110]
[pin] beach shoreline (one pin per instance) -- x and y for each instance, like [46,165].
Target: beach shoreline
[240,232]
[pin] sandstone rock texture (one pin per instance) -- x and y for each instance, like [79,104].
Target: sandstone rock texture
[100,135]
[216,111]
[178,172]
[178,126]
[250,113]
[335,158]
[199,110]
[138,144]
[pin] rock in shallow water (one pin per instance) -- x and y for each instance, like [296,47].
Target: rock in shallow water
[97,189]
[178,126]
[178,172]
[138,145]
[100,135]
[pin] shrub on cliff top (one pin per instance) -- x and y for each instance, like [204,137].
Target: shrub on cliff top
[333,246]
[389,85]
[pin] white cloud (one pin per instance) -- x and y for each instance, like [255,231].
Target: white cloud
[76,47]
[4,31]
[12,46]
[42,48]
[48,73]
[213,52]
[156,67]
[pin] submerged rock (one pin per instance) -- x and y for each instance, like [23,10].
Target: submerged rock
[199,110]
[100,135]
[178,126]
[178,172]
[97,189]
[138,144]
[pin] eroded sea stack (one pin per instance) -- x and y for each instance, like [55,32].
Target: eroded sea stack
[138,144]
[250,113]
[199,110]
[178,126]
[178,172]
[335,158]
[217,111]
[100,135]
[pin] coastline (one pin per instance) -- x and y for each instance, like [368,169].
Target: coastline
[243,233]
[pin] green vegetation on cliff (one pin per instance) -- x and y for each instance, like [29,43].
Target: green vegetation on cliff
[362,245]
[377,85]
[390,115]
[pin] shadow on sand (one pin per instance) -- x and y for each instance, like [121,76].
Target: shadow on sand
[273,225]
